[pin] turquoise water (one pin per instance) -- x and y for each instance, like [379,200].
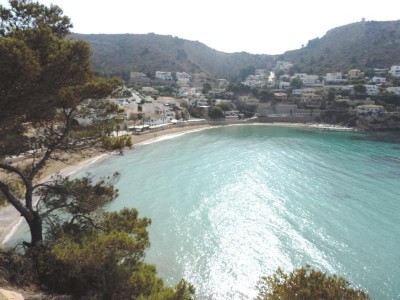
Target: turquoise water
[231,204]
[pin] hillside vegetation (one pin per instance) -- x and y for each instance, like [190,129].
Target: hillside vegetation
[152,52]
[366,44]
[362,45]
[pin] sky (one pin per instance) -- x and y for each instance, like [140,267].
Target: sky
[254,26]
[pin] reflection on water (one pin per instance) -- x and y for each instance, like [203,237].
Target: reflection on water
[231,204]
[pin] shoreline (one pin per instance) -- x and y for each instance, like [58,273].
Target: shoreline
[10,218]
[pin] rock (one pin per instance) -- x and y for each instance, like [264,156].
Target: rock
[10,295]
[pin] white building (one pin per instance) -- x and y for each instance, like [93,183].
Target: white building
[378,80]
[334,77]
[395,71]
[310,80]
[199,102]
[369,109]
[283,85]
[163,75]
[394,90]
[222,83]
[306,91]
[255,81]
[182,76]
[348,88]
[371,89]
[307,79]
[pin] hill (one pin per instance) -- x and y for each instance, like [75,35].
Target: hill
[366,44]
[363,45]
[152,52]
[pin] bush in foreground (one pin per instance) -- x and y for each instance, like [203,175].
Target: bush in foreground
[306,283]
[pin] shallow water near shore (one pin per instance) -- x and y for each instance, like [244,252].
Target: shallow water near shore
[231,204]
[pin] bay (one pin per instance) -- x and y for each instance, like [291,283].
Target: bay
[231,204]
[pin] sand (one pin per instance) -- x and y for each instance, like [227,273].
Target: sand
[9,216]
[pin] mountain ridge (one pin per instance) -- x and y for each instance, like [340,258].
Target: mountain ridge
[365,44]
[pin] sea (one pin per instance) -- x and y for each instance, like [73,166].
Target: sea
[231,204]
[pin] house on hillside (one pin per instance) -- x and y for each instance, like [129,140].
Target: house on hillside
[222,83]
[369,110]
[395,71]
[136,75]
[371,90]
[355,74]
[394,90]
[305,91]
[380,72]
[307,79]
[223,101]
[378,80]
[280,97]
[249,100]
[198,80]
[255,81]
[182,76]
[310,99]
[183,79]
[283,85]
[334,77]
[199,102]
[164,75]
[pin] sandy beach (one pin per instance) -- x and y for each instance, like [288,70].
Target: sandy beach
[10,218]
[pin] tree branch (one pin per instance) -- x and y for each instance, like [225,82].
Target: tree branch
[53,146]
[27,182]
[90,220]
[15,201]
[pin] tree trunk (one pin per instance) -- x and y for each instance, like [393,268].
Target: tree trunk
[36,229]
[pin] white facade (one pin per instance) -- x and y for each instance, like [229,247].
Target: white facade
[182,76]
[334,77]
[310,79]
[283,85]
[157,120]
[222,83]
[395,71]
[394,90]
[255,80]
[307,79]
[198,101]
[297,92]
[163,75]
[371,90]
[378,80]
[355,74]
[300,92]
[369,109]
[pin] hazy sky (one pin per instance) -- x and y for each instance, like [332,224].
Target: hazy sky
[254,26]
